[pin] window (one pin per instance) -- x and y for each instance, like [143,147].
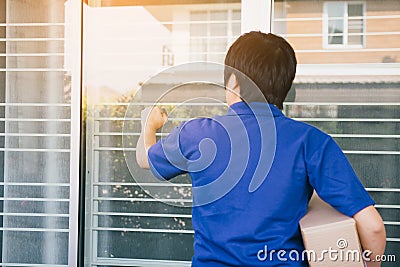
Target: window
[211,33]
[344,24]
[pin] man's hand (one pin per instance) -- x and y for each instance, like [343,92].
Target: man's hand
[152,119]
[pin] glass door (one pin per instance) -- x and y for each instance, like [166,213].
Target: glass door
[125,47]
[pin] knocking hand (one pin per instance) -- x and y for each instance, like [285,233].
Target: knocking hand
[153,118]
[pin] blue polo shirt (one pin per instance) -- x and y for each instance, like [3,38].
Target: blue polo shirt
[240,227]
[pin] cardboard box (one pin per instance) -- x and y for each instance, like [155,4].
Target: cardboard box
[330,237]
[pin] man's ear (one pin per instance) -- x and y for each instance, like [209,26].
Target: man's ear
[233,84]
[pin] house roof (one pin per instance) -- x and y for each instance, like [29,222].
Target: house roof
[348,73]
[347,79]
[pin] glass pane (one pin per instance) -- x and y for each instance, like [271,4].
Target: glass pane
[335,30]
[355,10]
[198,15]
[198,49]
[157,246]
[348,92]
[21,191]
[23,207]
[236,14]
[218,29]
[29,253]
[335,22]
[355,24]
[217,49]
[335,10]
[198,35]
[128,222]
[236,27]
[218,25]
[35,98]
[279,23]
[198,28]
[355,31]
[38,222]
[355,40]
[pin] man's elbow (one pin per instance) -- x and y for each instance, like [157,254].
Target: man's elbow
[378,228]
[142,161]
[142,164]
[370,220]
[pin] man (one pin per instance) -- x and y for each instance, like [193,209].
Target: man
[232,228]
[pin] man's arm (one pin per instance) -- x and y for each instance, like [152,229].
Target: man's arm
[152,119]
[371,231]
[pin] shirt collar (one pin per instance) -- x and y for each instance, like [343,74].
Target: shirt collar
[257,108]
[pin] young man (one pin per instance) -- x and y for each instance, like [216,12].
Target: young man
[231,229]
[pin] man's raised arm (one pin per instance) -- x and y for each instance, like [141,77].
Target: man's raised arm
[152,119]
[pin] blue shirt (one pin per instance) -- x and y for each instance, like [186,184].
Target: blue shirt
[235,228]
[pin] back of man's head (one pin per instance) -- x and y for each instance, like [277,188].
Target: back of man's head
[268,60]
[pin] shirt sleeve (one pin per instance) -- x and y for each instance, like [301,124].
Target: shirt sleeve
[334,179]
[165,158]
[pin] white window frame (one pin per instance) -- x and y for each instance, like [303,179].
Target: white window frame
[325,21]
[229,35]
[75,146]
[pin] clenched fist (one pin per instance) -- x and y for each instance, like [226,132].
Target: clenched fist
[153,118]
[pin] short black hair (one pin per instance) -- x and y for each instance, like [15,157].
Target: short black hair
[268,60]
